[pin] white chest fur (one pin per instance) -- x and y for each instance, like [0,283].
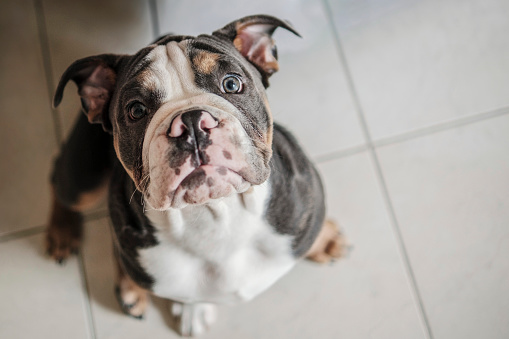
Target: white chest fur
[223,251]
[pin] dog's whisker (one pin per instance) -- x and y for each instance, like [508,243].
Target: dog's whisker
[132,196]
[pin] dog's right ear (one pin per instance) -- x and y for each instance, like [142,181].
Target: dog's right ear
[252,37]
[95,77]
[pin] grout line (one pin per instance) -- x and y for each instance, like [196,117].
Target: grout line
[96,215]
[340,154]
[414,134]
[439,127]
[379,174]
[27,232]
[156,32]
[48,71]
[86,292]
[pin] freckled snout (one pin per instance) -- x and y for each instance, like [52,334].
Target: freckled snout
[192,123]
[200,155]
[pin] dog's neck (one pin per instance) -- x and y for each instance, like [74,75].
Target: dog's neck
[215,211]
[216,228]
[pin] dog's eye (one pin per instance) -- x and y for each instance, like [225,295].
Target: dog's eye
[231,84]
[137,111]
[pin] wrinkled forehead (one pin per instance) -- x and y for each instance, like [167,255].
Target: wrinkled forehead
[168,68]
[172,67]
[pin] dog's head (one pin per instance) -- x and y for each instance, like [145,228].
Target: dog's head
[189,115]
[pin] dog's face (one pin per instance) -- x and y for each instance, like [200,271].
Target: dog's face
[192,123]
[189,115]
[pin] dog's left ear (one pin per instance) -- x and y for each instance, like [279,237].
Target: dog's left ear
[95,77]
[252,37]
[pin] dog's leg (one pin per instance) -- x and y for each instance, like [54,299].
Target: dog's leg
[192,319]
[330,244]
[64,232]
[132,298]
[79,180]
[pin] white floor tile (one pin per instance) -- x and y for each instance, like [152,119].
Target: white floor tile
[370,295]
[78,29]
[27,139]
[40,299]
[416,63]
[450,192]
[309,94]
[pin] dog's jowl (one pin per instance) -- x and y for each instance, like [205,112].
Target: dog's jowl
[210,200]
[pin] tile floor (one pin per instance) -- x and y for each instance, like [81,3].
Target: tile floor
[404,106]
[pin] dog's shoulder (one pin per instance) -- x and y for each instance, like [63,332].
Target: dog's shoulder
[296,205]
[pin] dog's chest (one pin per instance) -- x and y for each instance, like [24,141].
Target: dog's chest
[224,251]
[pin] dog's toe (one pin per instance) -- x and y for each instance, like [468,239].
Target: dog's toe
[330,245]
[338,246]
[192,319]
[60,244]
[132,300]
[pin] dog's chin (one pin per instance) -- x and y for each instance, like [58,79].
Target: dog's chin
[203,185]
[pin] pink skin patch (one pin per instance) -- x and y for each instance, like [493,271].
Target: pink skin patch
[208,182]
[221,176]
[207,122]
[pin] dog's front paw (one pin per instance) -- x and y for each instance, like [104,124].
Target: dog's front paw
[330,244]
[63,235]
[132,299]
[192,319]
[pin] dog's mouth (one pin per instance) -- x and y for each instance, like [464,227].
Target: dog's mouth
[207,182]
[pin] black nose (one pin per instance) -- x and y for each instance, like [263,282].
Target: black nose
[192,123]
[190,132]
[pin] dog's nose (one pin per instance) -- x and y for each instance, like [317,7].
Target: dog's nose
[192,122]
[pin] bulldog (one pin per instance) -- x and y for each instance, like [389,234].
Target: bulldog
[210,200]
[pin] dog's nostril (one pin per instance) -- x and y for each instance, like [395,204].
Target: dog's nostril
[207,122]
[177,127]
[191,121]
